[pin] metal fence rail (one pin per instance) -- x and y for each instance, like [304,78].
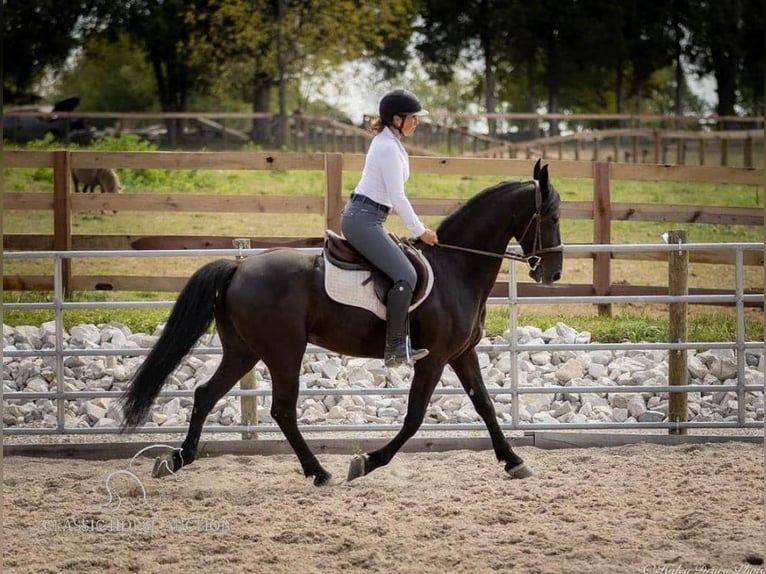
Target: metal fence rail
[738,299]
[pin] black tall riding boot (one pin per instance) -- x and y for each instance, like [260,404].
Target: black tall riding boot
[398,349]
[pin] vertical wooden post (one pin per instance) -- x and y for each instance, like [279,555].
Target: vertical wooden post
[333,171]
[724,152]
[748,162]
[602,234]
[635,149]
[678,267]
[702,151]
[62,212]
[248,404]
[577,149]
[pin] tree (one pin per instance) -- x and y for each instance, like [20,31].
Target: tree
[716,31]
[110,76]
[37,35]
[752,69]
[646,42]
[257,45]
[455,31]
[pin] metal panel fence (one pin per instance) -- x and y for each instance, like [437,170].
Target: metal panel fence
[738,298]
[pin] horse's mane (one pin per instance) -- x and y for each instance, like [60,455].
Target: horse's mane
[475,206]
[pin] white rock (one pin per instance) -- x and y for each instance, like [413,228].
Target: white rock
[572,369]
[636,406]
[540,357]
[651,417]
[37,385]
[697,369]
[94,412]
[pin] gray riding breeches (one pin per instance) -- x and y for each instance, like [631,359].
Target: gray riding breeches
[362,225]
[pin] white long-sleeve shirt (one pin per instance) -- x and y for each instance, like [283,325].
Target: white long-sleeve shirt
[386,169]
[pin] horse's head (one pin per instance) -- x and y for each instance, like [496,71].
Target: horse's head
[541,240]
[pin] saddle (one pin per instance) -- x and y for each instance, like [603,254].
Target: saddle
[341,254]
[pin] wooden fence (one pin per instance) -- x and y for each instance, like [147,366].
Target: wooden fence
[601,210]
[448,134]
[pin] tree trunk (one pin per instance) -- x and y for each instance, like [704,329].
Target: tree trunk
[172,95]
[261,132]
[726,80]
[553,108]
[619,87]
[680,78]
[282,135]
[532,99]
[490,95]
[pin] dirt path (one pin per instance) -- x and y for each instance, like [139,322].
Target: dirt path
[645,508]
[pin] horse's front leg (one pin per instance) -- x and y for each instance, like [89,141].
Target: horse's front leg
[466,366]
[427,374]
[285,385]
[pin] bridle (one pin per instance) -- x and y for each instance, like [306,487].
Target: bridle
[533,259]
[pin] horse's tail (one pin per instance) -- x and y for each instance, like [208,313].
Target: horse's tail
[191,316]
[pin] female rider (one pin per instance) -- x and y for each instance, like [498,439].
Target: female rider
[380,191]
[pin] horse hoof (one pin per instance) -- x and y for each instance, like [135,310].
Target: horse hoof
[163,466]
[357,468]
[322,479]
[519,471]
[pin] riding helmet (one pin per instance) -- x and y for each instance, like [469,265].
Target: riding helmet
[400,103]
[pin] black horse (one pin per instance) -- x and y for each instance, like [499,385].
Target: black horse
[269,306]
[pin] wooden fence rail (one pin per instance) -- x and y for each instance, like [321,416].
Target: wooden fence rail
[601,210]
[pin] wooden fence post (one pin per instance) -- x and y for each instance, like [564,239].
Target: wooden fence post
[748,157]
[62,212]
[248,404]
[333,170]
[602,216]
[678,267]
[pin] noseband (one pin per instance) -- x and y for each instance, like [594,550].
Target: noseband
[533,259]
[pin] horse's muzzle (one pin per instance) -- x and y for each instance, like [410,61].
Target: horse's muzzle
[545,276]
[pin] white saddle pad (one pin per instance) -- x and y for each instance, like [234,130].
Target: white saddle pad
[355,288]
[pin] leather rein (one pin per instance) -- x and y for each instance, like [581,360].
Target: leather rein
[533,260]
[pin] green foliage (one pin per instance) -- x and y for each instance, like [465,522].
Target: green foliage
[185,180]
[138,320]
[36,35]
[627,327]
[110,76]
[143,180]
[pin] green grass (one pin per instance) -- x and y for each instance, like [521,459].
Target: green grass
[628,326]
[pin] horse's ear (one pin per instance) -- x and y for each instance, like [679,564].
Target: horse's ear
[543,178]
[536,172]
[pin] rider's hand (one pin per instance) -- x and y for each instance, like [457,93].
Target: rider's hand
[429,237]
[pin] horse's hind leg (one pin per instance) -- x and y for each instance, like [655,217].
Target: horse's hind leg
[466,367]
[235,363]
[427,373]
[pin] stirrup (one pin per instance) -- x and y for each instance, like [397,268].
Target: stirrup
[404,354]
